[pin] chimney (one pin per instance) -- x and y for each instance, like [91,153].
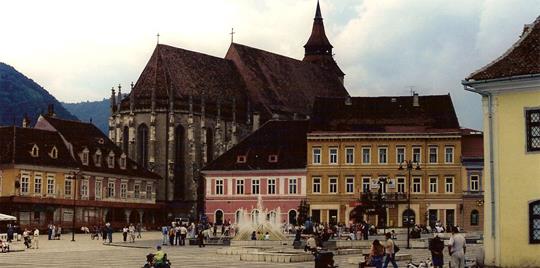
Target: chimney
[256,121]
[415,102]
[26,121]
[50,110]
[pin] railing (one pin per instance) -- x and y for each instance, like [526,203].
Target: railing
[387,197]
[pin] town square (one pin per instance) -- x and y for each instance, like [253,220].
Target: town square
[283,133]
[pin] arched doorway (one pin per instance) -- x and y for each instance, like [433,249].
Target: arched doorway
[409,217]
[218,217]
[142,145]
[134,217]
[209,145]
[292,217]
[125,140]
[179,165]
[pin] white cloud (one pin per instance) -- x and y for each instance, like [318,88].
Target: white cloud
[78,50]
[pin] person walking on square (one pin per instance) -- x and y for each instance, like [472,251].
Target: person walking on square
[131,230]
[139,230]
[171,236]
[457,248]
[183,234]
[109,232]
[36,239]
[177,235]
[436,247]
[49,231]
[125,233]
[200,239]
[376,254]
[165,233]
[389,250]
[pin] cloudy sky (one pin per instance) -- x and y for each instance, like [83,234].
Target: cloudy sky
[79,49]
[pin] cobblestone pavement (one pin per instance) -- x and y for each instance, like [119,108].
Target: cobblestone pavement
[85,252]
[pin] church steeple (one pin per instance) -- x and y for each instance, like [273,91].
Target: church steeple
[318,49]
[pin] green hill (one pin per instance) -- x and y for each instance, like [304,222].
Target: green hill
[97,111]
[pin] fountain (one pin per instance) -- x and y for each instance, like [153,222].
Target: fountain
[260,222]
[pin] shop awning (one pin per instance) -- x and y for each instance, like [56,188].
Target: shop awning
[4,217]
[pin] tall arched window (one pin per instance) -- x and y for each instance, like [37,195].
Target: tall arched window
[179,165]
[142,145]
[475,217]
[534,222]
[238,216]
[209,145]
[292,217]
[255,216]
[218,217]
[125,140]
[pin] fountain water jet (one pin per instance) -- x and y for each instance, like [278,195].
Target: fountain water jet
[260,222]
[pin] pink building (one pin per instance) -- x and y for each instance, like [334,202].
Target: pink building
[270,163]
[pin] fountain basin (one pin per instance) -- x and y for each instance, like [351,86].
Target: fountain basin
[278,257]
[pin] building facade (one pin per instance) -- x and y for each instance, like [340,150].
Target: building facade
[267,168]
[472,160]
[510,89]
[188,108]
[356,147]
[46,173]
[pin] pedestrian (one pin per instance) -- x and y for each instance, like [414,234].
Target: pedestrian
[365,230]
[165,233]
[36,238]
[139,230]
[376,254]
[131,230]
[457,247]
[183,234]
[177,235]
[59,232]
[436,247]
[389,250]
[125,233]
[200,239]
[253,235]
[10,232]
[104,233]
[109,232]
[171,236]
[49,231]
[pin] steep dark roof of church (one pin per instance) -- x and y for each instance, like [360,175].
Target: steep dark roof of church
[87,136]
[187,73]
[523,58]
[16,146]
[286,140]
[384,114]
[277,83]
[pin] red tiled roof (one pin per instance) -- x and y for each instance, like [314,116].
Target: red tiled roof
[16,145]
[281,84]
[472,143]
[523,58]
[284,139]
[385,114]
[85,135]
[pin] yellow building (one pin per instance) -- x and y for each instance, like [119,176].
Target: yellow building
[355,144]
[510,89]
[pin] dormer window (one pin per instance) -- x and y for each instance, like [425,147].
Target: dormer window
[54,153]
[84,157]
[97,158]
[241,159]
[273,158]
[35,151]
[110,160]
[123,161]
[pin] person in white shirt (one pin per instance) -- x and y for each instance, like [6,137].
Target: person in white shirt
[183,234]
[131,230]
[389,251]
[36,239]
[457,248]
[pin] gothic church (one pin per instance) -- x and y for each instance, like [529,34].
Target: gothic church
[187,108]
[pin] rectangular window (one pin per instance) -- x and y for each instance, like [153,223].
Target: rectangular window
[316,185]
[400,155]
[110,161]
[67,186]
[148,191]
[123,190]
[366,185]
[239,186]
[417,185]
[292,186]
[333,155]
[350,185]
[366,155]
[433,185]
[449,184]
[219,187]
[137,191]
[50,184]
[271,186]
[110,189]
[37,184]
[532,118]
[383,155]
[349,155]
[417,154]
[433,155]
[316,155]
[449,155]
[255,186]
[25,183]
[98,189]
[84,188]
[333,185]
[475,183]
[401,185]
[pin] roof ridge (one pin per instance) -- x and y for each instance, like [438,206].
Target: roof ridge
[272,53]
[190,51]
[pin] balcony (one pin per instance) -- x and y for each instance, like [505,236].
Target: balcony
[387,197]
[473,194]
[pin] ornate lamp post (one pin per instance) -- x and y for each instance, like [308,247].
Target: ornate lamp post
[74,176]
[409,165]
[382,200]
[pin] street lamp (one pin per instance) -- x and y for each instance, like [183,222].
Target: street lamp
[409,165]
[382,200]
[74,176]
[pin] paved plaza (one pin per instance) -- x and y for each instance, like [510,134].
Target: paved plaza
[92,253]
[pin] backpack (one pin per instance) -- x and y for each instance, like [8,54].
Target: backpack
[396,248]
